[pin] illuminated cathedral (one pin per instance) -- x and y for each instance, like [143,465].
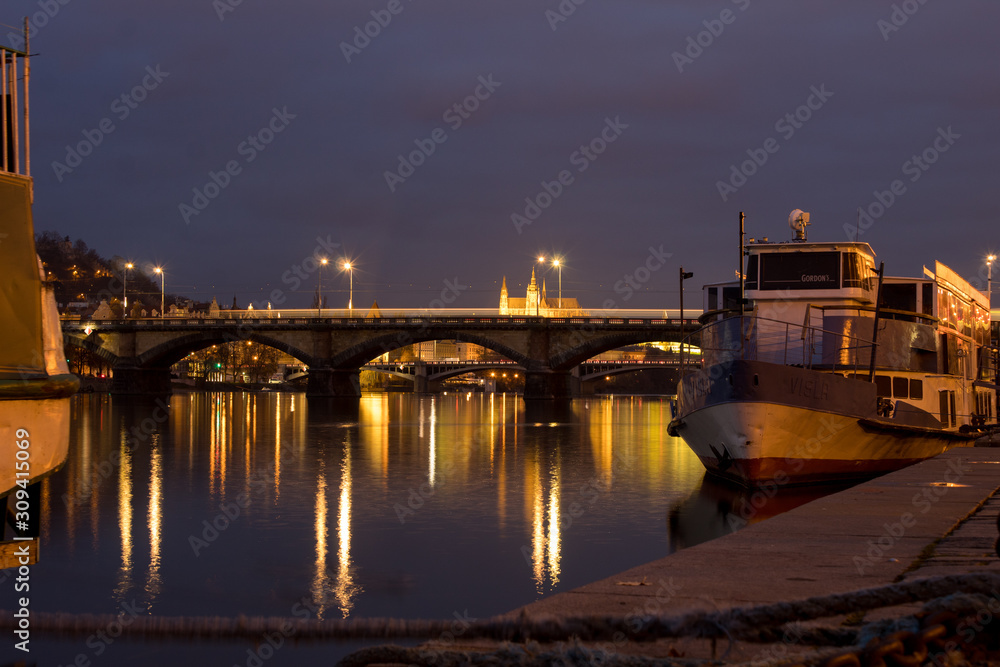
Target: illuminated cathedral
[537,304]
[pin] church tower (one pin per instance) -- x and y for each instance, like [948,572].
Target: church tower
[504,310]
[531,299]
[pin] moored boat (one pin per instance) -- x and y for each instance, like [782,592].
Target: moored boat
[35,383]
[819,369]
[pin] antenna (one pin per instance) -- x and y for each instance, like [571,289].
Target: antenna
[797,220]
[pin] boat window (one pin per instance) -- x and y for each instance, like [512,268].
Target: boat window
[800,270]
[713,298]
[751,282]
[854,271]
[883,385]
[896,296]
[730,298]
[964,319]
[951,405]
[900,387]
[916,389]
[927,299]
[943,406]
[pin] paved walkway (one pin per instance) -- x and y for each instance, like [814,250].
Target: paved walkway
[936,517]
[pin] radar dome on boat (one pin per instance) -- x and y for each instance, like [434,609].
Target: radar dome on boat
[797,220]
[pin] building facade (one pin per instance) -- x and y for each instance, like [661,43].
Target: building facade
[536,302]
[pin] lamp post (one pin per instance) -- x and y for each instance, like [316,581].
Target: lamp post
[319,288]
[556,263]
[128,267]
[989,283]
[350,293]
[162,281]
[538,292]
[684,276]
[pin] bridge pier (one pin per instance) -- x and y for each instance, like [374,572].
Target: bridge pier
[550,385]
[141,381]
[334,382]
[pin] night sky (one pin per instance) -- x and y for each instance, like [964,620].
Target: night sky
[638,128]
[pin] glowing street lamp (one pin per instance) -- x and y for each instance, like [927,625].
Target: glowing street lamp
[989,282]
[538,299]
[350,295]
[556,263]
[162,281]
[319,287]
[128,267]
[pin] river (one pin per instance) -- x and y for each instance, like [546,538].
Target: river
[272,504]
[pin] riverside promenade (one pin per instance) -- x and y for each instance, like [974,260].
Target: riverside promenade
[935,518]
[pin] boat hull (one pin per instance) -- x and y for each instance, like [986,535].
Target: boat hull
[753,443]
[753,422]
[46,422]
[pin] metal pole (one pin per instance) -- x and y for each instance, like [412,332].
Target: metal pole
[739,266]
[163,279]
[682,318]
[27,76]
[16,167]
[3,108]
[560,287]
[319,291]
[878,300]
[350,294]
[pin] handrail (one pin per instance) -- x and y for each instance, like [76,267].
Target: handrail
[763,338]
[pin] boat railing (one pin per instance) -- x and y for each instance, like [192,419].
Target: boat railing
[753,338]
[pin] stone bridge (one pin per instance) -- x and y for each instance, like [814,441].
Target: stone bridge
[142,351]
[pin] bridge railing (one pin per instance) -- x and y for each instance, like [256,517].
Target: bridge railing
[409,317]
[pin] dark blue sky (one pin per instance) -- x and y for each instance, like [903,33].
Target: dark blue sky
[683,92]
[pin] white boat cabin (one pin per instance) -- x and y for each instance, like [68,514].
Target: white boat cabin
[813,305]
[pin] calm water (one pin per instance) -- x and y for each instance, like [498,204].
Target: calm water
[400,505]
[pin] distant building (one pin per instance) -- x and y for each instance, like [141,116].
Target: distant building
[537,304]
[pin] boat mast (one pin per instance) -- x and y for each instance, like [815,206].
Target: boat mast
[27,134]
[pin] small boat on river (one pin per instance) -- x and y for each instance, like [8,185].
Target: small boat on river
[817,369]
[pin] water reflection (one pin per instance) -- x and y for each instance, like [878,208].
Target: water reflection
[124,523]
[718,508]
[154,520]
[346,589]
[426,504]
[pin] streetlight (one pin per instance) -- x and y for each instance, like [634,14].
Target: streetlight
[989,283]
[556,263]
[319,288]
[538,297]
[128,267]
[350,295]
[684,276]
[162,280]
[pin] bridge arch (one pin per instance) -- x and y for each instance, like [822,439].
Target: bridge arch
[361,353]
[170,352]
[90,345]
[567,359]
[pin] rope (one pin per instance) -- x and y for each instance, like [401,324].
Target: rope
[738,623]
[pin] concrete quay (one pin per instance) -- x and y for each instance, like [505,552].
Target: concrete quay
[938,517]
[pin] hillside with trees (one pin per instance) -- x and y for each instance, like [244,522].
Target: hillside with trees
[81,276]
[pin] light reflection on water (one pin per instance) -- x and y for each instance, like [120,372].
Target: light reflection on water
[394,505]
